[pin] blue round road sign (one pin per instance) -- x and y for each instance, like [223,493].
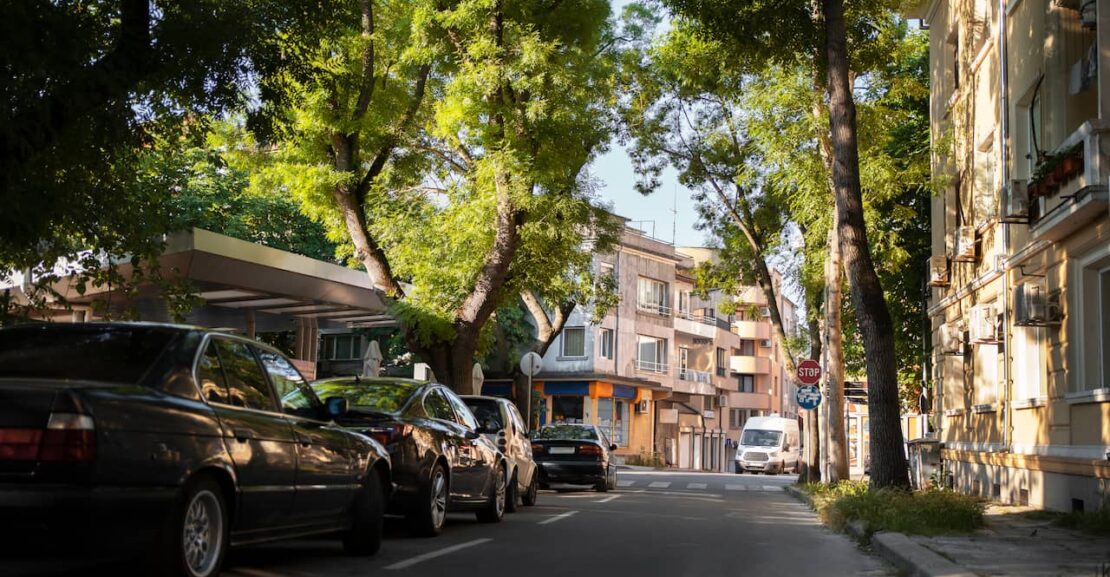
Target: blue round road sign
[808,396]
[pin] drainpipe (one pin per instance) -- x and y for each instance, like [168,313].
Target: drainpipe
[1004,142]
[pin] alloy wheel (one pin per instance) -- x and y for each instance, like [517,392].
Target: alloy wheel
[500,492]
[202,533]
[439,499]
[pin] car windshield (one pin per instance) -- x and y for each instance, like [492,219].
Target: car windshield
[112,354]
[488,413]
[760,438]
[568,433]
[387,397]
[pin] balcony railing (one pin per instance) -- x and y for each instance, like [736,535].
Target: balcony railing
[692,375]
[652,366]
[653,308]
[703,319]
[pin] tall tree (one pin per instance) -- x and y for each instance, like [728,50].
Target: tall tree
[447,140]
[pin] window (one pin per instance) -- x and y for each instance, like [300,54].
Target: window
[1029,363]
[607,343]
[653,296]
[342,347]
[612,418]
[746,383]
[986,374]
[574,342]
[567,409]
[295,395]
[722,362]
[438,407]
[1095,324]
[683,358]
[246,384]
[213,386]
[518,421]
[463,415]
[684,302]
[652,354]
[747,348]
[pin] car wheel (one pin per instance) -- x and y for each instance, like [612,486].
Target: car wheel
[427,520]
[737,468]
[368,512]
[531,493]
[196,540]
[495,508]
[613,481]
[602,486]
[512,495]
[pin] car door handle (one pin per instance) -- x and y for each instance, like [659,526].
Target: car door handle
[242,436]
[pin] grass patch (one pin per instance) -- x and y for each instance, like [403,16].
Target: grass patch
[1095,522]
[932,512]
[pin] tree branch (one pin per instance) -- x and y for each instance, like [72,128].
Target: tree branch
[386,150]
[366,92]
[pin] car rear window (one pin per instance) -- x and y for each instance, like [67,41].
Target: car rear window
[110,354]
[387,397]
[568,433]
[488,413]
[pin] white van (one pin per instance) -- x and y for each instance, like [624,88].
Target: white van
[768,444]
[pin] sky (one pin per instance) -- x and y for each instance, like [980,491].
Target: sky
[668,214]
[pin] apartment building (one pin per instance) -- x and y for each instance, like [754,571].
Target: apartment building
[1020,268]
[665,372]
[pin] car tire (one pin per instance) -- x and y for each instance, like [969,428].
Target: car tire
[737,468]
[494,510]
[602,486]
[368,512]
[613,481]
[512,494]
[194,542]
[532,492]
[431,504]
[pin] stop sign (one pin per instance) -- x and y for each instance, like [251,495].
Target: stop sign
[809,372]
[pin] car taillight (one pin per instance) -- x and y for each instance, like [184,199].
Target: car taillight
[590,450]
[538,449]
[390,433]
[68,437]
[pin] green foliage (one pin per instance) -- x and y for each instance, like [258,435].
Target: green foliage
[931,512]
[1095,522]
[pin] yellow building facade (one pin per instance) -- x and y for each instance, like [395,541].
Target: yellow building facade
[1020,267]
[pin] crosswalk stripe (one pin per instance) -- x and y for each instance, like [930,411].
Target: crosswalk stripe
[772,488]
[659,485]
[625,483]
[736,487]
[696,486]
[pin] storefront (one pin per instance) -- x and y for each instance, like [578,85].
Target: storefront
[622,410]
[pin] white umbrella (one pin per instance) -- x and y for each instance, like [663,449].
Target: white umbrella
[477,377]
[372,360]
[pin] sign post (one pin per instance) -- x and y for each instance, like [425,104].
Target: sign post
[809,398]
[530,364]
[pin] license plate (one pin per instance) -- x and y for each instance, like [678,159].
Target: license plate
[562,450]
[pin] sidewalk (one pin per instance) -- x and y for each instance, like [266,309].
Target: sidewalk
[1011,543]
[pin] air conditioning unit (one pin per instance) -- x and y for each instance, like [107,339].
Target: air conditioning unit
[722,400]
[1015,202]
[765,312]
[938,271]
[642,406]
[951,340]
[983,324]
[965,244]
[765,343]
[1034,306]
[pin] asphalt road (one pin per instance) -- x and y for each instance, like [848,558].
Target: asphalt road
[656,523]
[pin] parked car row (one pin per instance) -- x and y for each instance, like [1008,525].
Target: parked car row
[185,441]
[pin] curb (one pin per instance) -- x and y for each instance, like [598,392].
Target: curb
[897,549]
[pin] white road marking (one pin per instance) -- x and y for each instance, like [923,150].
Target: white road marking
[736,487]
[434,554]
[607,499]
[557,517]
[696,485]
[659,484]
[625,483]
[772,488]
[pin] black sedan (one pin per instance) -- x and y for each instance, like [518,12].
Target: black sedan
[175,440]
[576,455]
[441,461]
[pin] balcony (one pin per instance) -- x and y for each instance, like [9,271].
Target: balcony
[692,375]
[1074,193]
[699,325]
[646,366]
[653,308]
[752,330]
[750,365]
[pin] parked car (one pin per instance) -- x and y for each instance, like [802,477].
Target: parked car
[441,463]
[500,421]
[768,444]
[574,454]
[178,440]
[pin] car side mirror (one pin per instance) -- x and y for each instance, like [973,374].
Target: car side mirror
[336,406]
[613,447]
[472,434]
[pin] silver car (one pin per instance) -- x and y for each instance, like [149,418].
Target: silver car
[500,421]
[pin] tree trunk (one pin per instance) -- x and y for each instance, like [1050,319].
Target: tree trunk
[888,462]
[834,344]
